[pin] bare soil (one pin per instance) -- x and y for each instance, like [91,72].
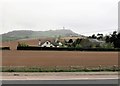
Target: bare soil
[55,58]
[58,58]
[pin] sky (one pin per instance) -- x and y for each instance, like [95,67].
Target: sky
[85,17]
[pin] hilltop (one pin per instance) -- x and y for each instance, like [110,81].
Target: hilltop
[29,34]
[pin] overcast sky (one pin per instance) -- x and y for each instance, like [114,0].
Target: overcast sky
[82,16]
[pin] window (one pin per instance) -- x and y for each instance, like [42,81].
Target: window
[46,42]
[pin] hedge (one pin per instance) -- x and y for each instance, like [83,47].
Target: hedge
[66,49]
[58,69]
[4,48]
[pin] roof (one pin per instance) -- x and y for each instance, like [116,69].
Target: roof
[95,40]
[52,41]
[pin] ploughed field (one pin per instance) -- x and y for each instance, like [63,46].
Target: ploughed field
[58,58]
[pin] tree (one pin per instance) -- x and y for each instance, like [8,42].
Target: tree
[76,42]
[78,46]
[86,43]
[114,38]
[93,36]
[70,41]
[99,36]
[107,39]
[117,41]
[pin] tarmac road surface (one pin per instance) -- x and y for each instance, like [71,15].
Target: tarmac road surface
[60,78]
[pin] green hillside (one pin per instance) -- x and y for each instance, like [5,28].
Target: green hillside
[25,34]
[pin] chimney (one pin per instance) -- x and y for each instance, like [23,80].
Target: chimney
[39,42]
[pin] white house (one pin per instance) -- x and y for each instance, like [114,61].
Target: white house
[47,44]
[60,44]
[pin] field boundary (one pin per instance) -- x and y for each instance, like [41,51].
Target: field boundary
[59,69]
[4,48]
[65,49]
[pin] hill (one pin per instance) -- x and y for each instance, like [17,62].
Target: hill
[28,34]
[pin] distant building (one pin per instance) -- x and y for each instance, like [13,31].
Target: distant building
[49,43]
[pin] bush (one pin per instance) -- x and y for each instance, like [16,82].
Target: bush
[107,46]
[61,69]
[22,45]
[78,46]
[4,48]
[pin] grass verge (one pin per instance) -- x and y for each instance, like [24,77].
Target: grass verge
[59,69]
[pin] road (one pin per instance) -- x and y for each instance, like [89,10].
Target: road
[61,78]
[98,81]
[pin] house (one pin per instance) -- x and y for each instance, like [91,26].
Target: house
[49,43]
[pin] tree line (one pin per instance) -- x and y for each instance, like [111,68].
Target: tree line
[109,41]
[113,38]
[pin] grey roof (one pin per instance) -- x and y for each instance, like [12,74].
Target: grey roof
[51,41]
[95,40]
